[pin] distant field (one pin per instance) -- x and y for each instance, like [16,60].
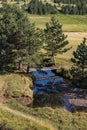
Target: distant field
[71,23]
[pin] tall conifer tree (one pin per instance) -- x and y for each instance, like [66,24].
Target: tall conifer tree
[55,38]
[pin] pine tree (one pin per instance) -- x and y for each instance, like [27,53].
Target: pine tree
[14,29]
[34,44]
[55,38]
[79,68]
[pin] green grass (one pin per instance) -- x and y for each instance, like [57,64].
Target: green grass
[59,118]
[71,23]
[15,85]
[16,122]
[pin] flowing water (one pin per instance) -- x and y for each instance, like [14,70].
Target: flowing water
[47,82]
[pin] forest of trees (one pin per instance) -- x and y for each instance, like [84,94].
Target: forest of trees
[38,7]
[72,7]
[78,7]
[69,1]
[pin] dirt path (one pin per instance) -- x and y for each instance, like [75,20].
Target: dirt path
[15,112]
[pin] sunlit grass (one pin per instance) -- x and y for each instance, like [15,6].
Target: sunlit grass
[59,118]
[74,39]
[71,23]
[18,122]
[15,85]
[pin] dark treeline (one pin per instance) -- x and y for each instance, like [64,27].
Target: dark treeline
[73,7]
[78,7]
[38,7]
[70,1]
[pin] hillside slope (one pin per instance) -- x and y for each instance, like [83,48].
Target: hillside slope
[16,86]
[41,118]
[26,121]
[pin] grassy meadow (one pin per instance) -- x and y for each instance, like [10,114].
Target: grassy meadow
[71,23]
[74,38]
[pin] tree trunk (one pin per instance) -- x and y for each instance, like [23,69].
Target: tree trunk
[53,59]
[19,65]
[83,71]
[27,68]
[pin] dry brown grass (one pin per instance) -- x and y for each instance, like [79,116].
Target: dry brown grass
[74,38]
